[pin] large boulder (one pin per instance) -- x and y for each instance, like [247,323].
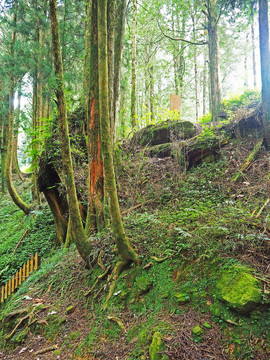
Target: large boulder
[239,289]
[164,133]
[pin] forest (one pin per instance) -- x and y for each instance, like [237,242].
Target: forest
[135,180]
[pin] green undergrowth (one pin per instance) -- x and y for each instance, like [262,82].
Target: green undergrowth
[15,248]
[195,233]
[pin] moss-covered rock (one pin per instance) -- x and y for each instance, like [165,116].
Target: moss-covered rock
[161,150]
[164,133]
[143,284]
[239,289]
[156,347]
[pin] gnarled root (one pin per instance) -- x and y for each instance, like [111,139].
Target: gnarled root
[119,267]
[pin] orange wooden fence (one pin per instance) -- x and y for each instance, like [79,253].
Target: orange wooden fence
[18,278]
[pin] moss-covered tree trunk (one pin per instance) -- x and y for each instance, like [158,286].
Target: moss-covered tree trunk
[12,191]
[215,94]
[265,66]
[79,237]
[133,80]
[95,213]
[87,47]
[121,6]
[4,134]
[126,252]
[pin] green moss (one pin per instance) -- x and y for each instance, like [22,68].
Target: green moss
[182,298]
[197,330]
[164,133]
[74,335]
[239,289]
[207,325]
[156,347]
[143,284]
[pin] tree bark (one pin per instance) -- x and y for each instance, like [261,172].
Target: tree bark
[126,253]
[253,54]
[95,213]
[121,6]
[87,47]
[14,195]
[4,134]
[265,66]
[133,80]
[215,94]
[79,236]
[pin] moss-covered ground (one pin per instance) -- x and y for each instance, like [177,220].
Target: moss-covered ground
[188,229]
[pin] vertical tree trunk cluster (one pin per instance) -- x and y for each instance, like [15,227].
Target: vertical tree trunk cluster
[10,135]
[77,229]
[265,66]
[215,93]
[133,80]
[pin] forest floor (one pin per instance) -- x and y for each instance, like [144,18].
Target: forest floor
[186,228]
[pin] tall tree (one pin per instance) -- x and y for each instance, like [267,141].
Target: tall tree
[79,236]
[126,253]
[265,66]
[12,191]
[133,79]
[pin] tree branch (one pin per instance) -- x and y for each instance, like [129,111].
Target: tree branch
[180,39]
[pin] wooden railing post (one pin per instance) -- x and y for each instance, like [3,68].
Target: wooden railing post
[12,284]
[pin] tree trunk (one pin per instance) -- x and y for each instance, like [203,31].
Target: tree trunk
[197,100]
[15,197]
[205,81]
[79,237]
[253,55]
[87,47]
[4,134]
[151,95]
[15,163]
[111,21]
[95,213]
[265,66]
[121,6]
[126,253]
[215,94]
[133,80]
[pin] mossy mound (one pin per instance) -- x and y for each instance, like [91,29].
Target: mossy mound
[156,347]
[239,289]
[164,133]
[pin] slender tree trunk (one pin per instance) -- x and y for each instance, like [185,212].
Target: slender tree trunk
[181,70]
[245,63]
[118,55]
[215,93]
[196,77]
[4,133]
[87,47]
[265,66]
[79,236]
[176,51]
[95,214]
[126,253]
[15,163]
[111,22]
[205,84]
[151,95]
[15,197]
[133,80]
[253,54]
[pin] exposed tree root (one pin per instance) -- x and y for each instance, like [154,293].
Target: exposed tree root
[248,161]
[114,276]
[99,278]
